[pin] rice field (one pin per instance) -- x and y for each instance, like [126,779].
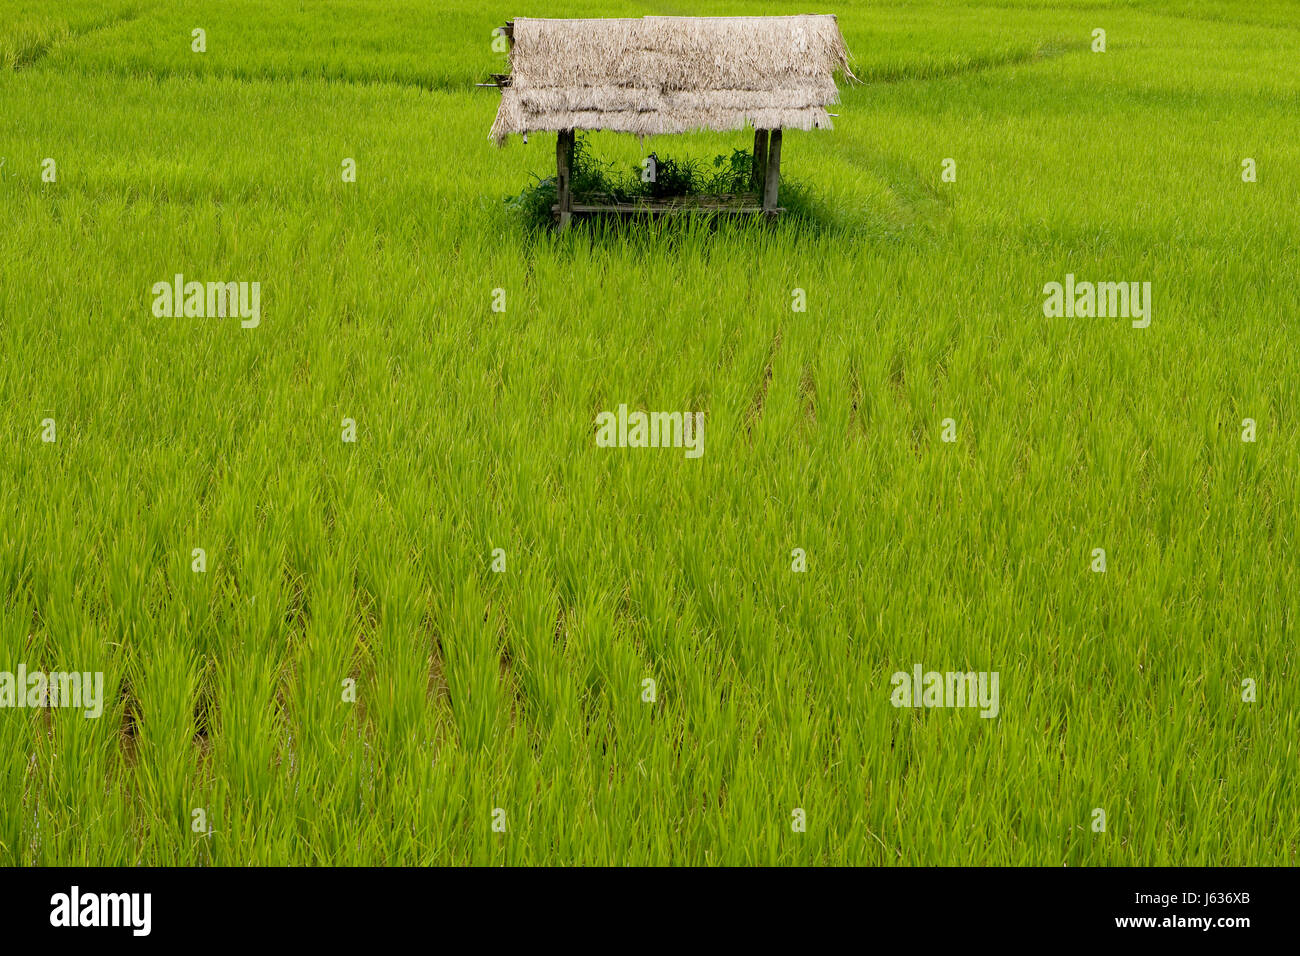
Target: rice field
[364,588]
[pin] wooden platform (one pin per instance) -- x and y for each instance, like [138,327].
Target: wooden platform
[742,204]
[766,179]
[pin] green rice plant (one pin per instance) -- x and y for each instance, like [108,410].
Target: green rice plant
[354,677]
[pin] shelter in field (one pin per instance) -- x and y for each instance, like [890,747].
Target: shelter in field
[661,75]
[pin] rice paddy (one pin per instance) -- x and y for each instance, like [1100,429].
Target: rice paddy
[364,588]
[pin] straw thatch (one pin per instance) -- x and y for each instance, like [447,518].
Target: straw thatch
[671,74]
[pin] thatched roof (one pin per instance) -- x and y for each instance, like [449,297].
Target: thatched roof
[671,74]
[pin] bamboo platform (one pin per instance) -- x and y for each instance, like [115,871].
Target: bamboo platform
[739,204]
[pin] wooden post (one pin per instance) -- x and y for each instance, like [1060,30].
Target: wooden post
[563,170]
[773,173]
[760,158]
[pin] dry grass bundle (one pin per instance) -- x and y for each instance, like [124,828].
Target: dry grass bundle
[657,75]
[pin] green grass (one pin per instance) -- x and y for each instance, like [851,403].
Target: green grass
[522,691]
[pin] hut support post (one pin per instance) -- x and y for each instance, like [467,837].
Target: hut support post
[760,158]
[773,178]
[563,171]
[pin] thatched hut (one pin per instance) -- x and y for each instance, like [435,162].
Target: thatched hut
[661,75]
